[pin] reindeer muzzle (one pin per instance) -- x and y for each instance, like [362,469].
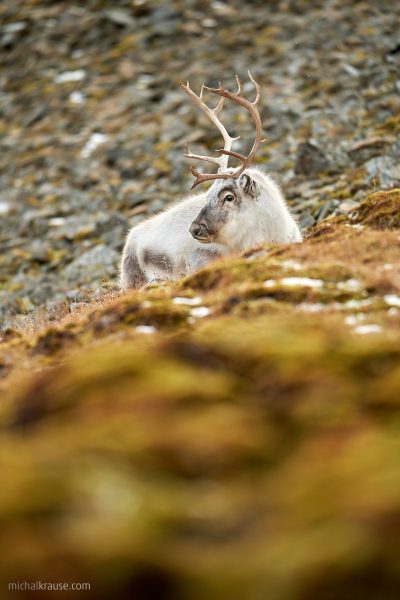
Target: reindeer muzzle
[200,232]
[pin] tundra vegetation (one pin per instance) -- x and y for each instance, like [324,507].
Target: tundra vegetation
[233,434]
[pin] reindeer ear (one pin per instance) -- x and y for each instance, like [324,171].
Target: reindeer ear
[248,185]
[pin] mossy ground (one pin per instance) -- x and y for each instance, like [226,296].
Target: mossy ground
[245,447]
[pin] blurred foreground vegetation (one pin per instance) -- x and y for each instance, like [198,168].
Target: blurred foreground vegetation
[160,446]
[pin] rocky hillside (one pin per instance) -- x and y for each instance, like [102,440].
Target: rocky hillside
[235,434]
[93,123]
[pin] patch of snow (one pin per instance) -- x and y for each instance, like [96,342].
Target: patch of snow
[393,312]
[294,282]
[302,281]
[69,76]
[4,208]
[356,303]
[392,299]
[365,329]
[95,140]
[311,307]
[145,329]
[77,98]
[200,312]
[291,264]
[350,285]
[56,221]
[186,301]
[354,319]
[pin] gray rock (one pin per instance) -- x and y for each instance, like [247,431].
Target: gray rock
[41,251]
[97,263]
[306,220]
[366,149]
[347,205]
[310,160]
[383,170]
[119,16]
[72,228]
[325,210]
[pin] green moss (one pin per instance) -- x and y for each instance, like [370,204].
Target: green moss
[177,455]
[250,453]
[390,125]
[380,210]
[52,340]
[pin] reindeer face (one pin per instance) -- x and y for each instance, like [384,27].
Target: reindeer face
[227,201]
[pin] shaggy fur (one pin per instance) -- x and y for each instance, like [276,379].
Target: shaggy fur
[233,215]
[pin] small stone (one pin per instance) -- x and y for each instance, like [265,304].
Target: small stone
[95,140]
[119,16]
[96,263]
[5,207]
[15,27]
[327,209]
[77,98]
[41,251]
[348,205]
[209,23]
[73,228]
[365,149]
[306,220]
[351,70]
[383,170]
[70,76]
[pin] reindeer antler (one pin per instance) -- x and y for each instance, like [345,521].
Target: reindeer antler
[224,153]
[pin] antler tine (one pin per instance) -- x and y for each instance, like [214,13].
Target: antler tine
[239,90]
[212,114]
[251,107]
[256,85]
[210,159]
[201,177]
[224,153]
[219,106]
[230,153]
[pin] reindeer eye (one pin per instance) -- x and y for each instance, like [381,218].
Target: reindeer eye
[229,198]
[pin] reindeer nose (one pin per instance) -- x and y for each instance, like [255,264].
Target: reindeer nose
[199,230]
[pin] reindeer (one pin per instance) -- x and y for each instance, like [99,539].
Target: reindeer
[243,207]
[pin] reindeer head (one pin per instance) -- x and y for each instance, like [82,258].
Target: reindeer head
[228,205]
[233,189]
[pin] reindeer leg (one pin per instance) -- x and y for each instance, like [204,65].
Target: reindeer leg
[132,275]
